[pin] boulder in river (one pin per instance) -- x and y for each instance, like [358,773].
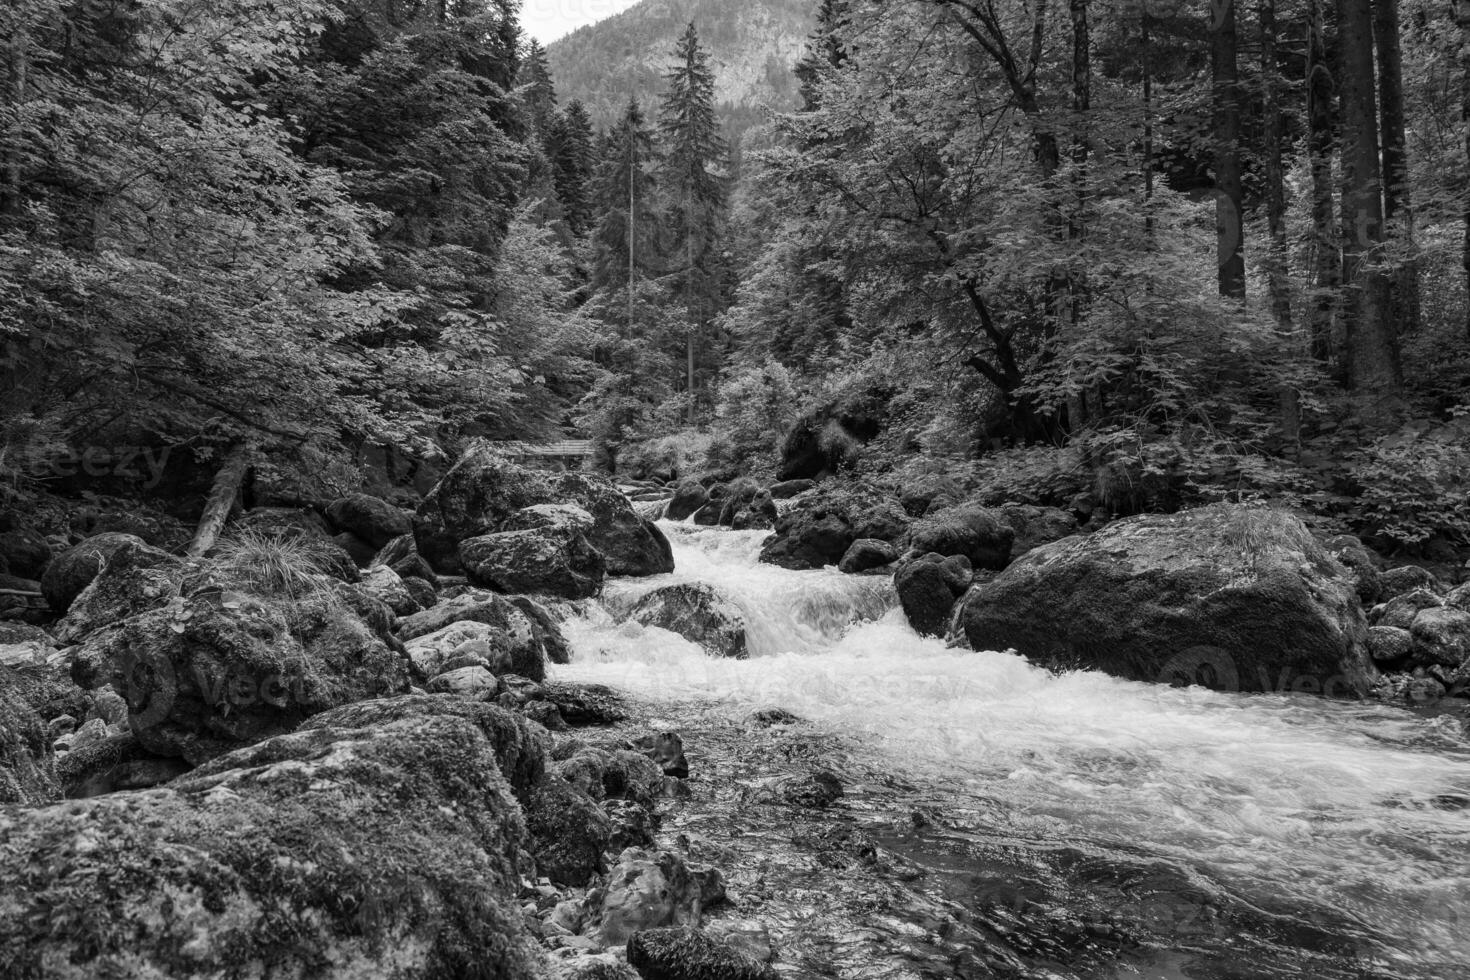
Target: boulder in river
[648,890]
[982,535]
[393,847]
[509,649]
[554,561]
[684,953]
[867,554]
[1035,526]
[689,496]
[1241,596]
[928,587]
[478,494]
[819,528]
[630,543]
[698,613]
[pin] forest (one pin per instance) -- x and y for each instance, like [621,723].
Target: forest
[1140,253]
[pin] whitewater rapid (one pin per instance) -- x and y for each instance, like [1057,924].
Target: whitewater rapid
[1290,801]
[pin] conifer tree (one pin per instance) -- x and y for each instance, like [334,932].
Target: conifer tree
[824,50]
[623,192]
[535,76]
[570,149]
[694,157]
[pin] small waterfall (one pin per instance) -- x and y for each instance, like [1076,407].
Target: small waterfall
[1291,802]
[653,510]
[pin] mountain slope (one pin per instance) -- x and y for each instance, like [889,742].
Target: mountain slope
[753,45]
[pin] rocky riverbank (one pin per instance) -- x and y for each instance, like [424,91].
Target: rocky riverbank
[331,746]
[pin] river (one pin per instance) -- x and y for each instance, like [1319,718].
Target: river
[1189,833]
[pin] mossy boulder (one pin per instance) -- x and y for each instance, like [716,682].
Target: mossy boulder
[630,543]
[27,767]
[479,493]
[555,561]
[1241,598]
[70,572]
[980,534]
[688,954]
[134,579]
[392,849]
[371,519]
[212,671]
[689,496]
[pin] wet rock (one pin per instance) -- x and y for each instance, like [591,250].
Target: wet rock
[385,585]
[600,966]
[548,561]
[519,639]
[396,848]
[1401,611]
[586,704]
[503,650]
[466,682]
[27,773]
[547,631]
[1407,578]
[666,750]
[205,674]
[867,554]
[688,954]
[811,790]
[1441,636]
[632,825]
[648,890]
[819,528]
[1244,594]
[787,489]
[928,588]
[760,514]
[371,519]
[631,544]
[619,774]
[569,833]
[1389,643]
[697,612]
[1036,526]
[981,535]
[477,495]
[774,716]
[689,496]
[70,572]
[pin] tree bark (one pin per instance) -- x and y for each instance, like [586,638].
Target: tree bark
[1398,211]
[1229,219]
[1276,268]
[221,500]
[1326,260]
[1374,373]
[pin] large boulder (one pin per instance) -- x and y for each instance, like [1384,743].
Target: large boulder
[684,953]
[70,572]
[555,561]
[928,587]
[819,528]
[134,579]
[632,545]
[503,650]
[525,641]
[209,672]
[1243,597]
[371,519]
[392,848]
[982,535]
[689,496]
[474,498]
[1035,526]
[867,554]
[696,612]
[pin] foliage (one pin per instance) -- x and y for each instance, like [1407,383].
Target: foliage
[755,408]
[1415,484]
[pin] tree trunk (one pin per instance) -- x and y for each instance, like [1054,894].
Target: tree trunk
[1228,208]
[1398,211]
[1326,267]
[1374,373]
[221,500]
[1276,267]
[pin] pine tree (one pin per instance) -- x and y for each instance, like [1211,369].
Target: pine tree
[694,155]
[623,192]
[570,149]
[535,76]
[824,50]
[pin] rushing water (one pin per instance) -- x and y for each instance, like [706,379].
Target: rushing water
[1324,828]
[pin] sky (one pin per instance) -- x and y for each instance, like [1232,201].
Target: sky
[547,20]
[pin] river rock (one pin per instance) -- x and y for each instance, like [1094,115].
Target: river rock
[787,489]
[1441,636]
[385,585]
[928,587]
[1246,593]
[466,682]
[648,890]
[205,674]
[1035,526]
[508,649]
[70,572]
[548,561]
[395,847]
[1401,610]
[360,551]
[684,954]
[586,704]
[689,496]
[115,764]
[760,514]
[666,750]
[698,613]
[979,534]
[867,554]
[371,519]
[478,494]
[1459,598]
[539,516]
[569,833]
[618,774]
[1389,643]
[818,529]
[633,825]
[24,551]
[1407,578]
[134,579]
[631,544]
[546,630]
